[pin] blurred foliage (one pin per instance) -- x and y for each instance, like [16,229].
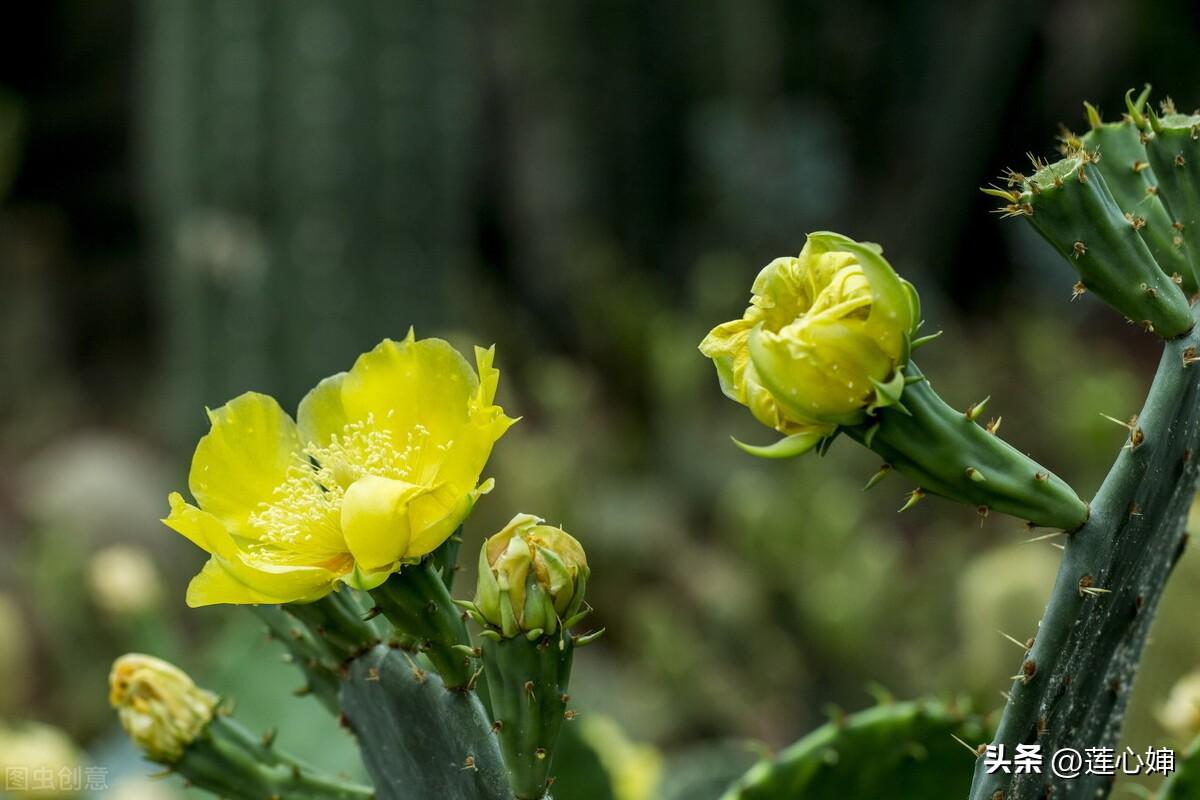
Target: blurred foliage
[221,195]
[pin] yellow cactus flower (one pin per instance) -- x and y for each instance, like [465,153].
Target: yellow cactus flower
[159,706]
[531,576]
[381,466]
[822,344]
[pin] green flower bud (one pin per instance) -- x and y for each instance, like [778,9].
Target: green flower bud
[532,577]
[159,706]
[823,342]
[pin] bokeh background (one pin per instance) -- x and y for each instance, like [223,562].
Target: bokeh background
[206,196]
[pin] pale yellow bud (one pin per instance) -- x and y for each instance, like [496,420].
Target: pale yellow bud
[159,706]
[531,576]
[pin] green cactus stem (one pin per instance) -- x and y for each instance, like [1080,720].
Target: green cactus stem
[419,740]
[949,454]
[898,750]
[1073,685]
[321,666]
[1173,150]
[1125,166]
[233,763]
[336,619]
[1070,205]
[417,601]
[527,682]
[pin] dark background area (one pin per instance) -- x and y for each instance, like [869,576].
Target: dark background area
[220,195]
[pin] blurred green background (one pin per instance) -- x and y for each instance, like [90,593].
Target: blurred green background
[208,196]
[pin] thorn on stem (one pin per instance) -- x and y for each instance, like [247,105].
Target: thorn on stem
[914,497]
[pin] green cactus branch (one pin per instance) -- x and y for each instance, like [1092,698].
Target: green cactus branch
[891,750]
[231,762]
[1073,685]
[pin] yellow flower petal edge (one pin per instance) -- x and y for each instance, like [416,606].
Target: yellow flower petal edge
[382,466]
[823,342]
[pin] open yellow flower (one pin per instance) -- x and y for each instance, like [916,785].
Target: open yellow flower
[381,467]
[822,344]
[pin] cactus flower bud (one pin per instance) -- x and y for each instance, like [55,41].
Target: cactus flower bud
[823,343]
[824,348]
[532,576]
[159,706]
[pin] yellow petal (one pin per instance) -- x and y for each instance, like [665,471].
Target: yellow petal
[433,518]
[234,576]
[412,386]
[214,584]
[375,520]
[321,415]
[199,527]
[241,460]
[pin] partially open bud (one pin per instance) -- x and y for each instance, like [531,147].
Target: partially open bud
[159,706]
[823,342]
[532,577]
[1181,713]
[824,348]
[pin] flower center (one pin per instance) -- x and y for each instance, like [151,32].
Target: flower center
[302,520]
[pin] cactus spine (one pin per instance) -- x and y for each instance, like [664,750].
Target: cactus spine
[417,738]
[1125,164]
[947,453]
[1070,205]
[1074,683]
[417,601]
[231,762]
[527,683]
[1173,150]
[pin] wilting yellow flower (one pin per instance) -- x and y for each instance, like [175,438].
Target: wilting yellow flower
[381,467]
[1181,713]
[159,706]
[531,576]
[822,343]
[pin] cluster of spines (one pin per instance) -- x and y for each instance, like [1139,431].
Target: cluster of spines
[1140,275]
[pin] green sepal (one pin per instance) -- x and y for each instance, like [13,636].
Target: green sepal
[887,394]
[788,447]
